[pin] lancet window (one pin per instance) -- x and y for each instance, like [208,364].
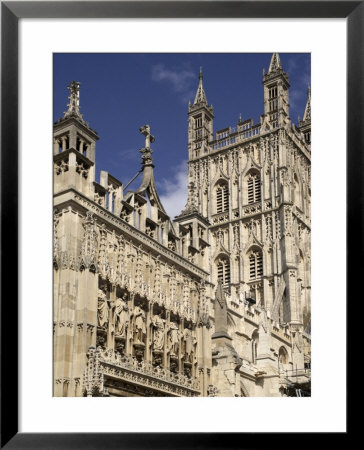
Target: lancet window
[222,198]
[223,271]
[254,192]
[255,264]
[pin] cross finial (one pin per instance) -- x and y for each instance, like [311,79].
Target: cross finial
[148,137]
[74,100]
[200,75]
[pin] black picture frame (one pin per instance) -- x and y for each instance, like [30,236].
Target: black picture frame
[11,12]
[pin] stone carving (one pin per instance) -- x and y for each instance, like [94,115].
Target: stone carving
[139,324]
[61,166]
[109,362]
[158,333]
[121,315]
[102,309]
[189,342]
[173,338]
[89,245]
[212,391]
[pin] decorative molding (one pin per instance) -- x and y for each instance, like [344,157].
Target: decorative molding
[102,364]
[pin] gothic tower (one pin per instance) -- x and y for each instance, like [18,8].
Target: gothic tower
[214,303]
[252,184]
[276,93]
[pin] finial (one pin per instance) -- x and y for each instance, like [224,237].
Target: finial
[74,100]
[240,118]
[200,94]
[147,151]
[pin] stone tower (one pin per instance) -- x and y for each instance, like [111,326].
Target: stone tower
[251,182]
[214,303]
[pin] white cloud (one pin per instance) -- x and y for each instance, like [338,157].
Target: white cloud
[179,78]
[174,190]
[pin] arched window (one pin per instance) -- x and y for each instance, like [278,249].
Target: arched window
[255,264]
[222,197]
[254,194]
[283,358]
[223,271]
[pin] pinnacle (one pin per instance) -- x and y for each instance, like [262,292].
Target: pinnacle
[200,94]
[307,113]
[275,63]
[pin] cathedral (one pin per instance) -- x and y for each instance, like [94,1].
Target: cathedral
[212,303]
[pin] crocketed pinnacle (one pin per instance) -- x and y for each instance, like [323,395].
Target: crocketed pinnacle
[200,94]
[275,63]
[307,114]
[74,101]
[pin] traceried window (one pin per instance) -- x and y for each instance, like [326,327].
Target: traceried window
[223,271]
[254,188]
[222,198]
[255,264]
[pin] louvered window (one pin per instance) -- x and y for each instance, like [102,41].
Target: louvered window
[254,188]
[223,272]
[222,198]
[255,265]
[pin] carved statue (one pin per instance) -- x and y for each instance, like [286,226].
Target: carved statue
[139,325]
[189,342]
[102,309]
[174,338]
[158,334]
[121,315]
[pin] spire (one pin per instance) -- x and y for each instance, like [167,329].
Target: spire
[307,113]
[275,63]
[200,94]
[74,101]
[148,183]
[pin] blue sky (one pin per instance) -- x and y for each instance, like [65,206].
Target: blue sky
[120,92]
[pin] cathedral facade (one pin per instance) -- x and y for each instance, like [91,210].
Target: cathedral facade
[213,303]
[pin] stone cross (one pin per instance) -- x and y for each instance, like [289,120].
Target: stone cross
[148,137]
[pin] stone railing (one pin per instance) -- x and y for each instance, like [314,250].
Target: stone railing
[103,363]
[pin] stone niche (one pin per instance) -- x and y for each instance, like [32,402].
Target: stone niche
[139,330]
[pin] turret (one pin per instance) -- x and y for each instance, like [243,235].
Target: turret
[200,122]
[74,144]
[276,93]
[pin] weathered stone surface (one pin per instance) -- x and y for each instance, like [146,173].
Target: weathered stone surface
[216,303]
